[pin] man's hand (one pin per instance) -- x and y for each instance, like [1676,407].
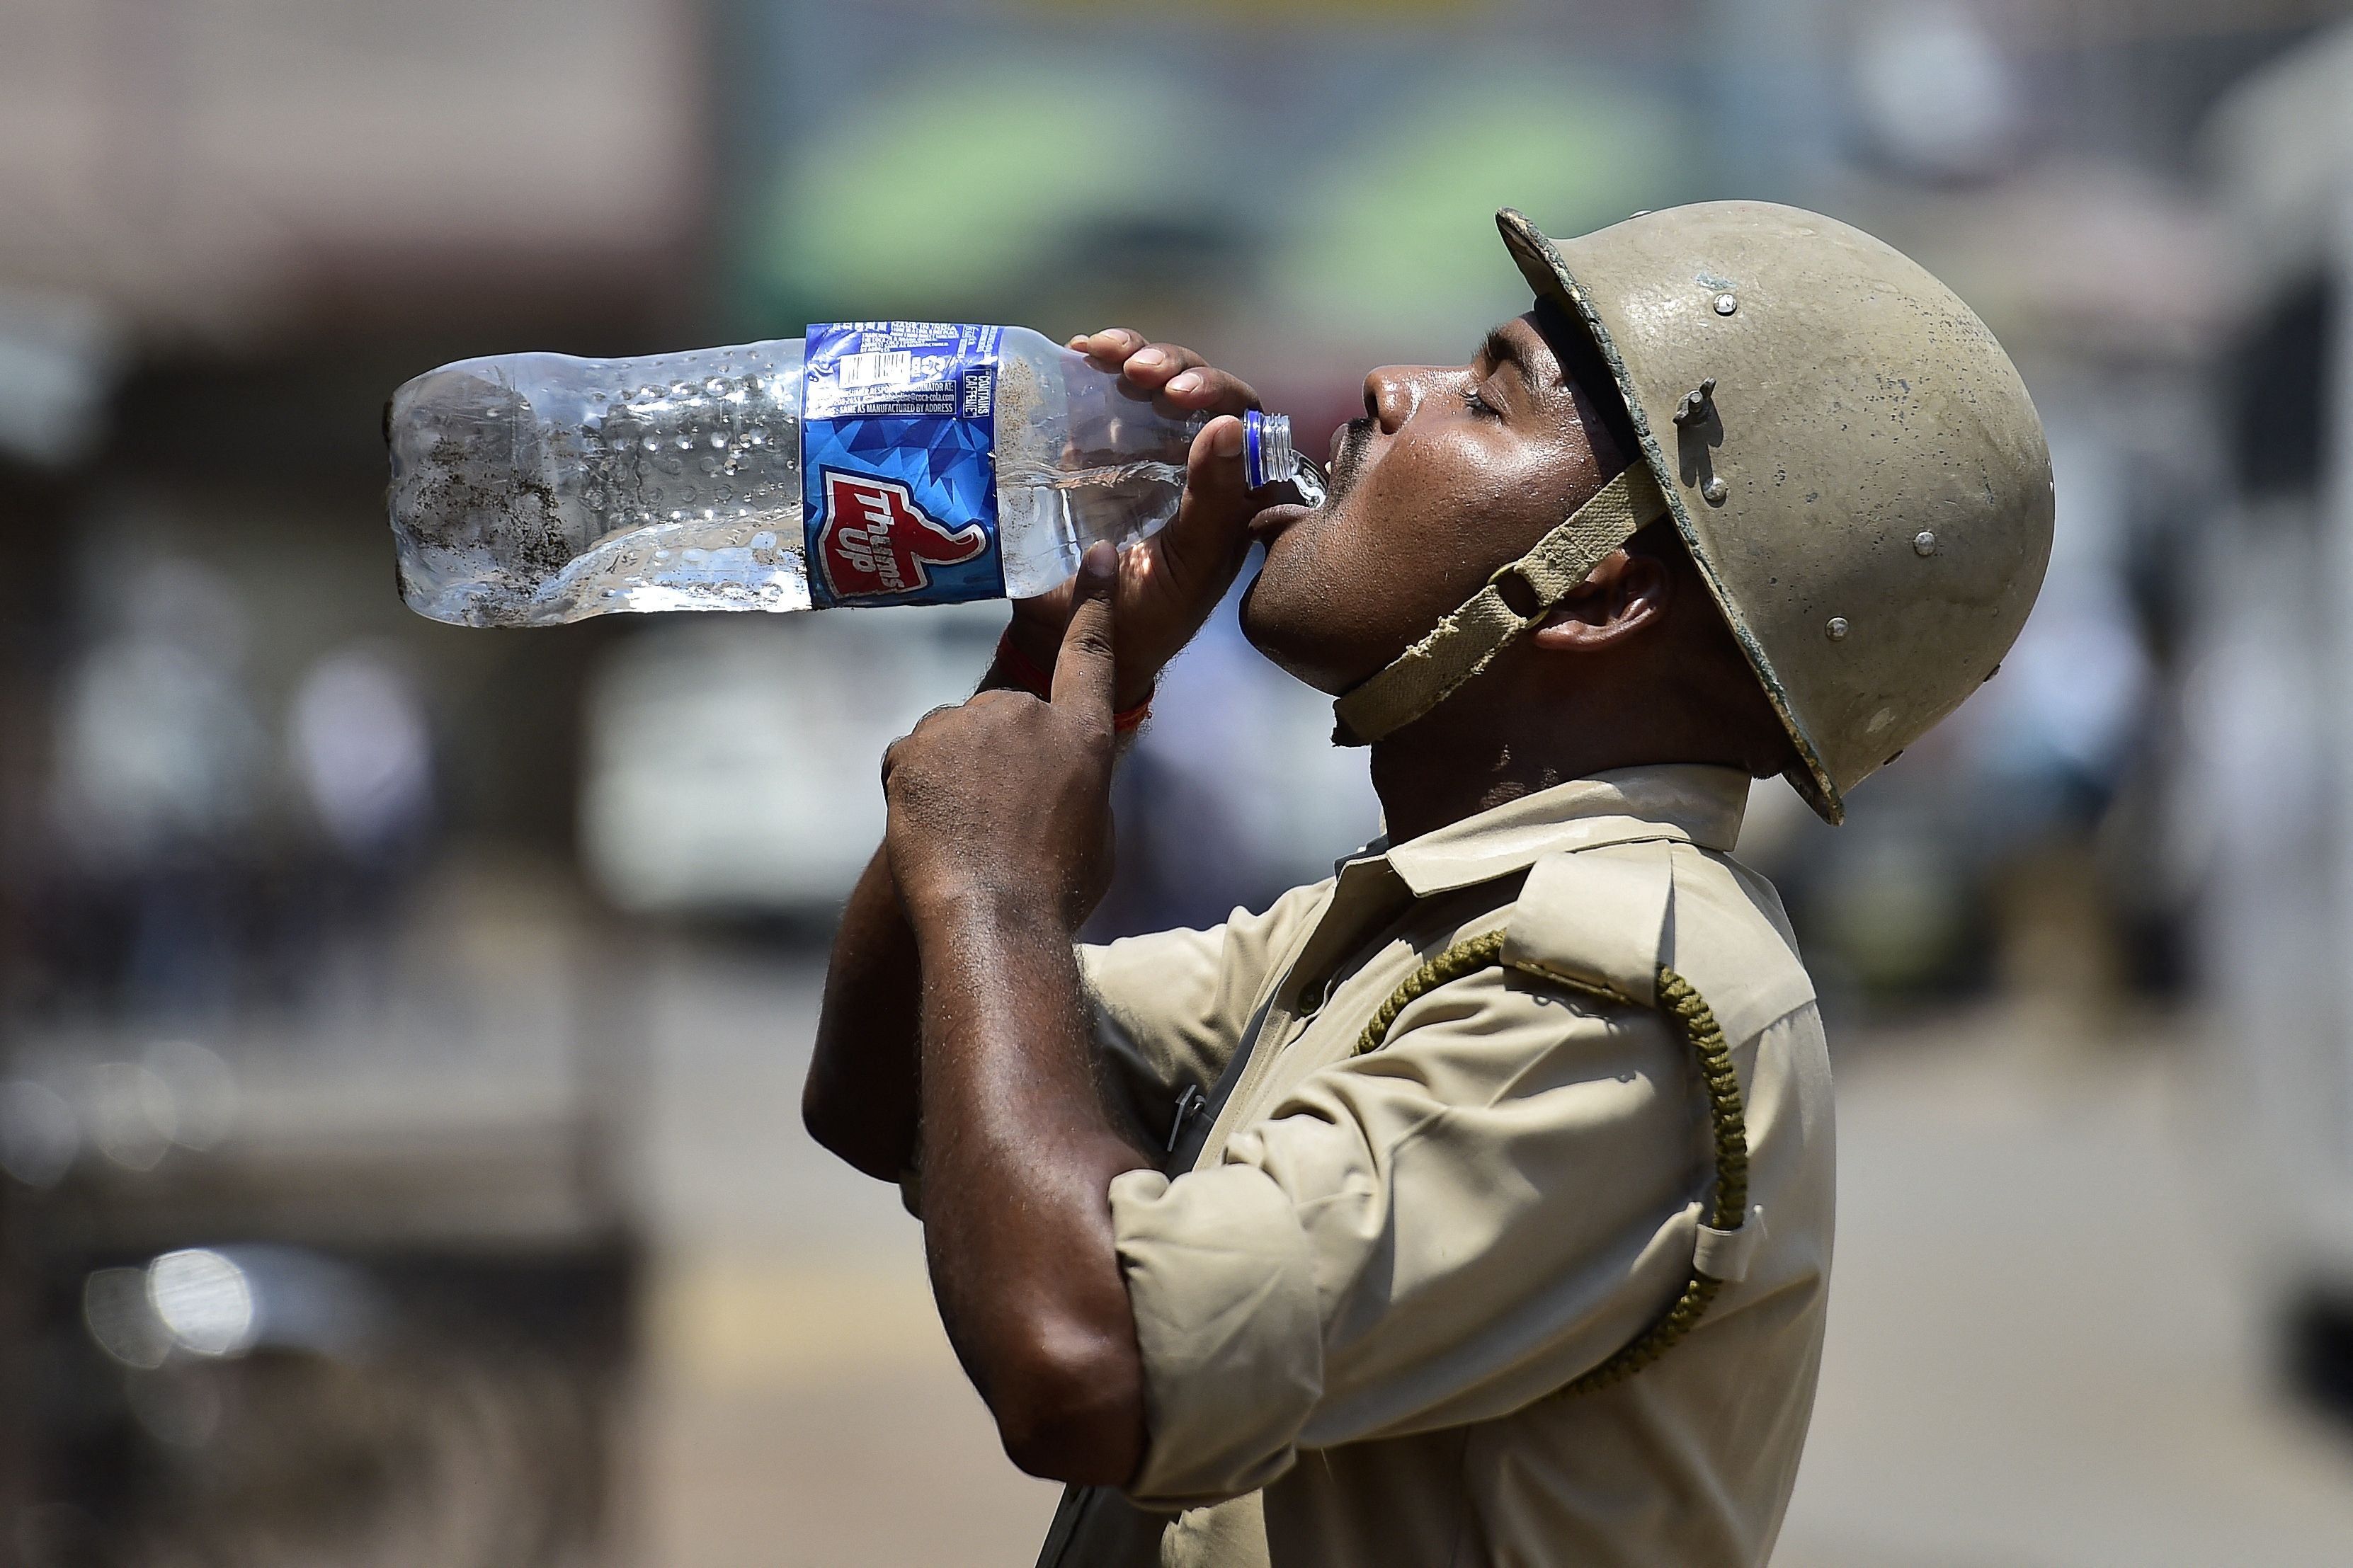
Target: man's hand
[1167,584]
[1005,802]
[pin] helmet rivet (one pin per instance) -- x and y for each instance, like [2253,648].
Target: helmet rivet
[1924,543]
[1835,629]
[1715,489]
[1725,304]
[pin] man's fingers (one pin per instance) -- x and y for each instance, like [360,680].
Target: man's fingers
[1213,520]
[1153,365]
[1207,390]
[1109,347]
[1183,383]
[1181,379]
[1213,470]
[1083,669]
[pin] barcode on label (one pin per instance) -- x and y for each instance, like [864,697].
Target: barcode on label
[893,367]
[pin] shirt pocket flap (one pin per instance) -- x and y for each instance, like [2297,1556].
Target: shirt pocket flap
[1596,918]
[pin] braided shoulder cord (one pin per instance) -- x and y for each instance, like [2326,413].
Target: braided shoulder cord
[1696,1021]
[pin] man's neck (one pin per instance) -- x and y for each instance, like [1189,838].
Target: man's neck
[1447,766]
[1424,788]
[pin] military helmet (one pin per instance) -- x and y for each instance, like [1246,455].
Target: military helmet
[1849,455]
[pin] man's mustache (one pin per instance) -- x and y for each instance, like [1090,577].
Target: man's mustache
[1354,437]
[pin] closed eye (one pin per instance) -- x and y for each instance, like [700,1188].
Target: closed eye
[1478,405]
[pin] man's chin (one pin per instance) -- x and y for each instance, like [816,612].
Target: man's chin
[1255,629]
[1287,641]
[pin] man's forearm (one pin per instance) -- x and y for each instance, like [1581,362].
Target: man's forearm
[861,1101]
[1018,1154]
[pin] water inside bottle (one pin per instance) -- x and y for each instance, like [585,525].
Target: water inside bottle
[1065,509]
[1027,476]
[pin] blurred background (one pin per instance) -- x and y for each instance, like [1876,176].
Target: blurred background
[401,1026]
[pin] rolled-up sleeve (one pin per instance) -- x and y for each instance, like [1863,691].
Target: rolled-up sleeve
[1223,1288]
[1436,1232]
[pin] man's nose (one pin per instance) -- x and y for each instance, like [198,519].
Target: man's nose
[1392,393]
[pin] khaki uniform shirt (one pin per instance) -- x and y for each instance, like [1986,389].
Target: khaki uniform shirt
[1359,1301]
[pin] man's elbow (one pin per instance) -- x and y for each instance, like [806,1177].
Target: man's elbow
[847,1136]
[1070,1407]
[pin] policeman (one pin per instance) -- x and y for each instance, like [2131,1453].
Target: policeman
[1474,1204]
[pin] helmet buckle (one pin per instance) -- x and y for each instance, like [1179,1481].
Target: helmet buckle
[1520,596]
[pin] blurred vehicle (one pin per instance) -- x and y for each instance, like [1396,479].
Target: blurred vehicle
[357,1286]
[732,761]
[730,766]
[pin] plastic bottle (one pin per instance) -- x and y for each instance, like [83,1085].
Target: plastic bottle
[895,462]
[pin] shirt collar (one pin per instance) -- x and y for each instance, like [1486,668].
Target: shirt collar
[1695,801]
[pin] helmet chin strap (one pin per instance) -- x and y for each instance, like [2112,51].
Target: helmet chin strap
[1517,598]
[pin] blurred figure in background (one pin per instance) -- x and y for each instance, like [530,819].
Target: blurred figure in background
[158,759]
[359,745]
[359,742]
[2050,748]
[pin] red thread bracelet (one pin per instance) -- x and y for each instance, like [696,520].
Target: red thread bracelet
[1024,673]
[1018,665]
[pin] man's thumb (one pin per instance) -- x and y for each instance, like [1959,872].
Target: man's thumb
[1083,669]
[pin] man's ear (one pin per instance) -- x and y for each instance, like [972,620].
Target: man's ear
[1618,599]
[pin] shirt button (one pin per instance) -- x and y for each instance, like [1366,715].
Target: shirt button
[1311,999]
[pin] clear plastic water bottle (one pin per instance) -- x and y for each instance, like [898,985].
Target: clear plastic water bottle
[872,463]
